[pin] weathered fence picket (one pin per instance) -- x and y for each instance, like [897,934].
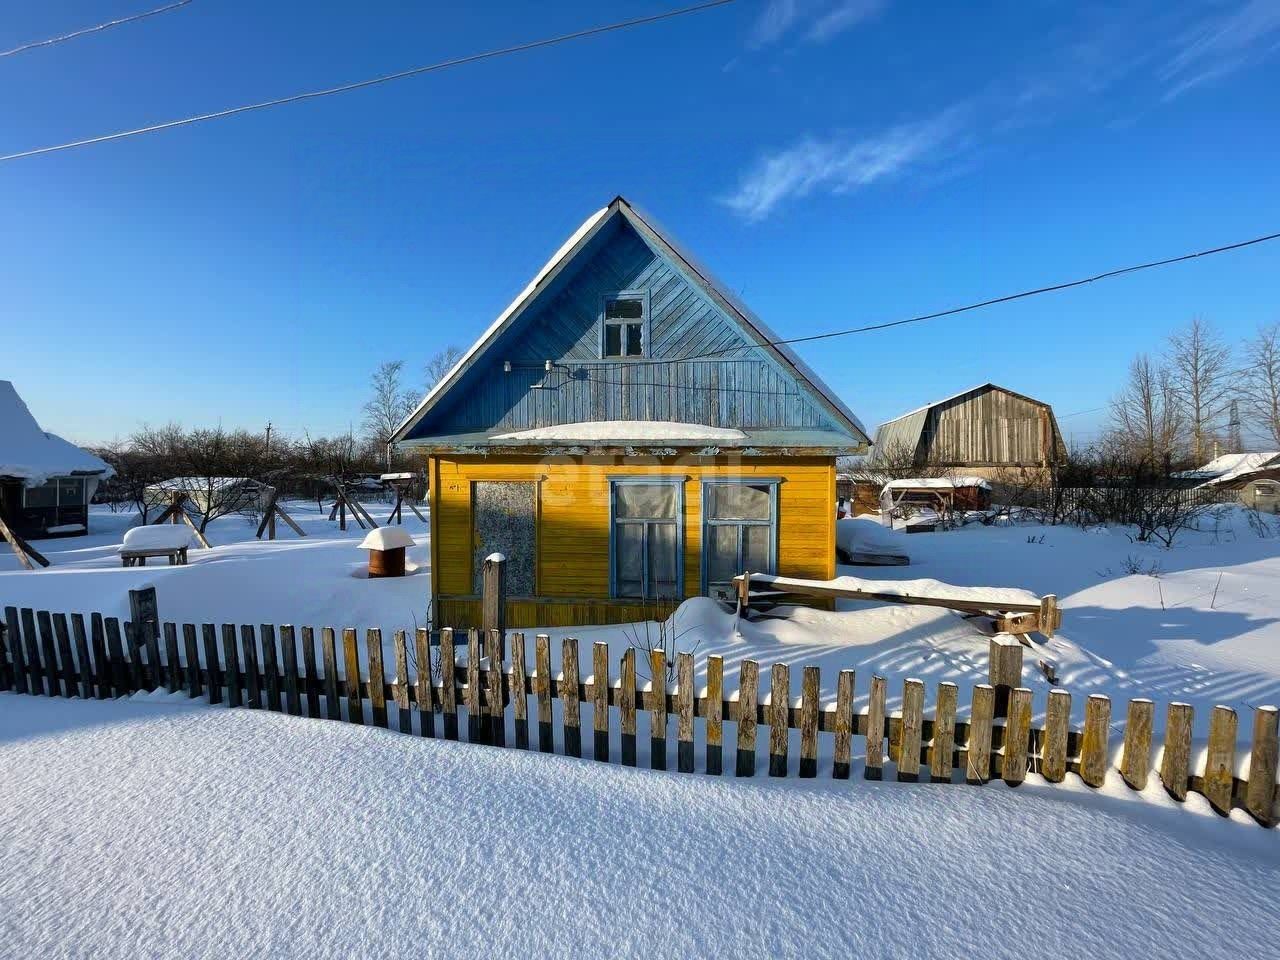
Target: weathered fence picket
[842,748]
[519,692]
[942,750]
[292,681]
[627,708]
[252,673]
[404,720]
[44,653]
[684,712]
[270,667]
[543,684]
[875,730]
[173,671]
[748,692]
[779,718]
[426,708]
[82,656]
[570,708]
[657,706]
[714,728]
[309,683]
[377,677]
[600,700]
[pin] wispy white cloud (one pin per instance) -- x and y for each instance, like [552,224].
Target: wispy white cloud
[1116,63]
[841,165]
[814,21]
[1222,44]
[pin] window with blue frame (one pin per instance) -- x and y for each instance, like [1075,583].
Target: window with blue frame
[646,539]
[624,325]
[740,531]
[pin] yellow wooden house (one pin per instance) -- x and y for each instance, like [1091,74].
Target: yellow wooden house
[628,434]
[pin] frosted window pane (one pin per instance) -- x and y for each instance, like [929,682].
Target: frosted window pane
[755,549]
[662,560]
[650,501]
[722,556]
[740,501]
[629,557]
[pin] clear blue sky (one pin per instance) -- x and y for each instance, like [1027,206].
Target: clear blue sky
[838,161]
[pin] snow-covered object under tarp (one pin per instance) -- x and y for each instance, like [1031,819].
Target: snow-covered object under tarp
[996,597]
[162,536]
[628,431]
[29,454]
[386,538]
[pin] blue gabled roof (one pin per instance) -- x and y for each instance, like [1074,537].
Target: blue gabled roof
[742,326]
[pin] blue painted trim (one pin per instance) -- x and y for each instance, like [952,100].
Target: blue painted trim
[678,482]
[773,522]
[643,297]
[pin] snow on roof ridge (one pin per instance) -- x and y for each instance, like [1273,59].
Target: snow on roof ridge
[33,455]
[934,403]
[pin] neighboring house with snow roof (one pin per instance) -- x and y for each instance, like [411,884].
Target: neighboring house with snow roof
[626,433]
[1255,476]
[984,430]
[46,483]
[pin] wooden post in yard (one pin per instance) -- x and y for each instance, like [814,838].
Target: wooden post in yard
[145,616]
[1005,670]
[493,603]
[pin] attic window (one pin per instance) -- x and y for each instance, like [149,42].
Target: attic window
[625,317]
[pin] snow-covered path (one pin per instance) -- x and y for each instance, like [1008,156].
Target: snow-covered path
[145,828]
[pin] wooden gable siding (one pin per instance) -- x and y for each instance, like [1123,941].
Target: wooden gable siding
[743,390]
[987,427]
[573,516]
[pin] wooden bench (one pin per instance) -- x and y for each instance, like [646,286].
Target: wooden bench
[137,556]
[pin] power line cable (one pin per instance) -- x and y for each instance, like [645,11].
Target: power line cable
[983,303]
[94,29]
[374,81]
[1081,413]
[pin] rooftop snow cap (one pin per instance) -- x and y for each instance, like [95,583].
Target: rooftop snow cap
[29,454]
[387,538]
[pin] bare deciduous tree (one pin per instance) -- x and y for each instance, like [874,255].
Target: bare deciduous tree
[1261,381]
[440,364]
[1201,372]
[389,404]
[1146,420]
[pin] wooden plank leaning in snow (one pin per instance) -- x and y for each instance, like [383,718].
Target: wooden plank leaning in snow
[34,659]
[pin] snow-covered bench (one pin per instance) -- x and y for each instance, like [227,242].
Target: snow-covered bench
[162,540]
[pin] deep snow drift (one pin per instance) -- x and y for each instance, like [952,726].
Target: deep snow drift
[146,828]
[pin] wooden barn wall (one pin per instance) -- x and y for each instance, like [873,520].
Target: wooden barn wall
[573,517]
[743,390]
[987,427]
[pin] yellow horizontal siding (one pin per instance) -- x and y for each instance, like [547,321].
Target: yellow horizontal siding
[573,530]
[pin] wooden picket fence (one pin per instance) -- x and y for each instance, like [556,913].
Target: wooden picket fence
[56,655]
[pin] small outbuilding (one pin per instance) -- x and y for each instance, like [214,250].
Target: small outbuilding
[1254,476]
[46,482]
[985,431]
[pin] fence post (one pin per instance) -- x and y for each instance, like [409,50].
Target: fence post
[145,614]
[1260,792]
[1005,670]
[493,602]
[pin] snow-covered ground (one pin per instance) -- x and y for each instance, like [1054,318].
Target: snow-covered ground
[318,580]
[1199,623]
[164,828]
